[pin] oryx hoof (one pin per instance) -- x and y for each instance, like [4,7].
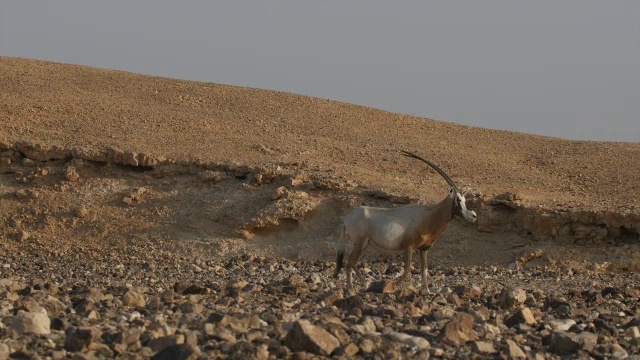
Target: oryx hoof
[365,285]
[425,291]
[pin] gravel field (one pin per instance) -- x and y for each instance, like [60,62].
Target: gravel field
[251,307]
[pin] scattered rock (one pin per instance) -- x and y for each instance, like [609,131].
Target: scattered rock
[79,339]
[135,196]
[279,193]
[350,349]
[195,289]
[22,194]
[483,347]
[523,316]
[563,343]
[296,280]
[618,352]
[60,324]
[82,212]
[264,149]
[305,336]
[460,329]
[29,304]
[510,298]
[350,304]
[467,291]
[31,323]
[133,299]
[23,236]
[194,268]
[413,341]
[513,351]
[382,287]
[71,174]
[367,345]
[4,351]
[562,324]
[634,333]
[166,341]
[210,176]
[178,352]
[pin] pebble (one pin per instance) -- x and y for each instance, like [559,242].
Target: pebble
[513,351]
[4,351]
[413,341]
[522,316]
[562,324]
[483,347]
[79,339]
[178,352]
[382,287]
[133,299]
[510,297]
[460,329]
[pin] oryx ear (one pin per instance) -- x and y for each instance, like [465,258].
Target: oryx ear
[451,190]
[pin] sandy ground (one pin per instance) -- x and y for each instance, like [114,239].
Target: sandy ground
[65,105]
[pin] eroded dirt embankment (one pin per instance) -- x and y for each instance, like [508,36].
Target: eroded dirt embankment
[100,198]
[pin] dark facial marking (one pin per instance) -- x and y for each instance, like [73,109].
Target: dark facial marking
[457,207]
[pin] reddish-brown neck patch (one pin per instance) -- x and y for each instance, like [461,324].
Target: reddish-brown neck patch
[435,223]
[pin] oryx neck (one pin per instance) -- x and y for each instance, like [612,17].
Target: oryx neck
[446,207]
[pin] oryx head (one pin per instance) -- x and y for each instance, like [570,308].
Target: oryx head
[459,201]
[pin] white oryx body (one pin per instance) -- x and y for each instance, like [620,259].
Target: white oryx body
[388,229]
[405,228]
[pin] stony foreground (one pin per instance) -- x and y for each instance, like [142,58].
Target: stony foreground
[167,307]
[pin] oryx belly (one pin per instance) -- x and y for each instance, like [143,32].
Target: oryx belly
[391,229]
[388,235]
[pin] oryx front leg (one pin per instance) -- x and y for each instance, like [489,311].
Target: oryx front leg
[425,270]
[358,249]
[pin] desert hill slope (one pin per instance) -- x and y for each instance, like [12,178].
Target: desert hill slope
[210,163]
[144,216]
[67,105]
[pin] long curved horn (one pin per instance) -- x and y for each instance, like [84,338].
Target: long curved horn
[434,166]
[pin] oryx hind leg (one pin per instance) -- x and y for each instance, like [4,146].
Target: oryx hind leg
[425,269]
[408,255]
[358,248]
[358,271]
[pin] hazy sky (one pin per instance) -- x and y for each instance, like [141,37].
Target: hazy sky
[567,68]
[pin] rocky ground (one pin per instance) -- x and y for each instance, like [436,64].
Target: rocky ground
[250,307]
[147,217]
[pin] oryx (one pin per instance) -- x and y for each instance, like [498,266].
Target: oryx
[405,228]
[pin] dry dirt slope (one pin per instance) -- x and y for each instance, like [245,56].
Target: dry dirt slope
[585,188]
[66,105]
